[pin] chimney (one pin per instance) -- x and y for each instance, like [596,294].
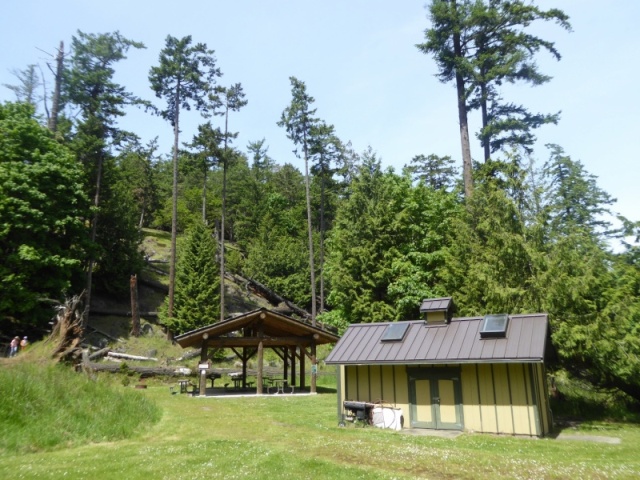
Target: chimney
[437,311]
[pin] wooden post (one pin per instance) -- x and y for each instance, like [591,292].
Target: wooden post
[285,358]
[203,359]
[303,380]
[314,367]
[259,376]
[293,366]
[135,314]
[244,367]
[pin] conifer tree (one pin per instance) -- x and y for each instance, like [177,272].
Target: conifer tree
[298,120]
[196,301]
[186,74]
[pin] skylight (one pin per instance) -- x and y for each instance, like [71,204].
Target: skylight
[495,326]
[395,332]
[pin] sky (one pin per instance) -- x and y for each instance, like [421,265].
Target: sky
[359,61]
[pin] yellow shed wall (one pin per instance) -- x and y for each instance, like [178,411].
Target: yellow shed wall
[496,398]
[503,402]
[375,383]
[521,400]
[470,399]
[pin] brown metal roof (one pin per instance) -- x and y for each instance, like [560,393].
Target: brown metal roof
[276,329]
[456,342]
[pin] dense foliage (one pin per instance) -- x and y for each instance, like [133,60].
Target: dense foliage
[43,207]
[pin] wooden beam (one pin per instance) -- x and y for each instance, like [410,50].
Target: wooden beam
[230,342]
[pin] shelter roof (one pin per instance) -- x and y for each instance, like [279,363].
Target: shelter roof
[456,342]
[275,328]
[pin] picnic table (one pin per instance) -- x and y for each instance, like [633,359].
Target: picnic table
[279,384]
[239,380]
[212,376]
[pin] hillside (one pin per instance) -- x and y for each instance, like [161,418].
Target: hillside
[110,316]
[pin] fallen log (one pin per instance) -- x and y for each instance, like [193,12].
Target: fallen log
[131,357]
[100,353]
[121,313]
[115,368]
[270,295]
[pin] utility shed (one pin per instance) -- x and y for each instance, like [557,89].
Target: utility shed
[481,374]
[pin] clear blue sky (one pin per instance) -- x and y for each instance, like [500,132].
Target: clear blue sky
[359,62]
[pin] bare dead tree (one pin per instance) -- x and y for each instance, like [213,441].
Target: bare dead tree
[67,332]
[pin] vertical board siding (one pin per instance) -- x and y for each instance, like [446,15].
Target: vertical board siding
[388,384]
[487,399]
[503,403]
[351,383]
[541,385]
[470,399]
[519,401]
[375,385]
[402,391]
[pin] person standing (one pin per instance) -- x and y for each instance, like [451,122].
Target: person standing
[23,343]
[14,346]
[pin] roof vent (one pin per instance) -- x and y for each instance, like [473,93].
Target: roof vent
[395,332]
[438,311]
[495,326]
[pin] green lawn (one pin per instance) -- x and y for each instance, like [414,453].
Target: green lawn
[299,438]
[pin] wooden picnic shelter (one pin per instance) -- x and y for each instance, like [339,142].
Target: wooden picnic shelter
[248,334]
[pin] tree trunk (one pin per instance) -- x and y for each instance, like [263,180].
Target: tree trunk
[55,101]
[204,195]
[135,315]
[467,167]
[94,233]
[174,211]
[322,227]
[224,212]
[485,121]
[311,262]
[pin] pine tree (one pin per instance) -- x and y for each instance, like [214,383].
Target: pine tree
[196,301]
[185,76]
[298,118]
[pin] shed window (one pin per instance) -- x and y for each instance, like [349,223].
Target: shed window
[495,326]
[395,332]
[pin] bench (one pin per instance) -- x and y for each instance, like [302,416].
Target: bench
[185,385]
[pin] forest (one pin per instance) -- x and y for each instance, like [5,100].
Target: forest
[345,239]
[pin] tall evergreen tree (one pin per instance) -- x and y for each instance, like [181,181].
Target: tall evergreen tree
[232,101]
[445,42]
[207,143]
[184,77]
[26,89]
[362,245]
[489,266]
[298,120]
[434,171]
[136,164]
[574,198]
[89,86]
[483,44]
[326,150]
[196,302]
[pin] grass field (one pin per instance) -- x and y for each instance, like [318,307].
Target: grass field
[282,437]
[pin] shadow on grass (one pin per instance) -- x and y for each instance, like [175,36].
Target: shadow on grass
[598,413]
